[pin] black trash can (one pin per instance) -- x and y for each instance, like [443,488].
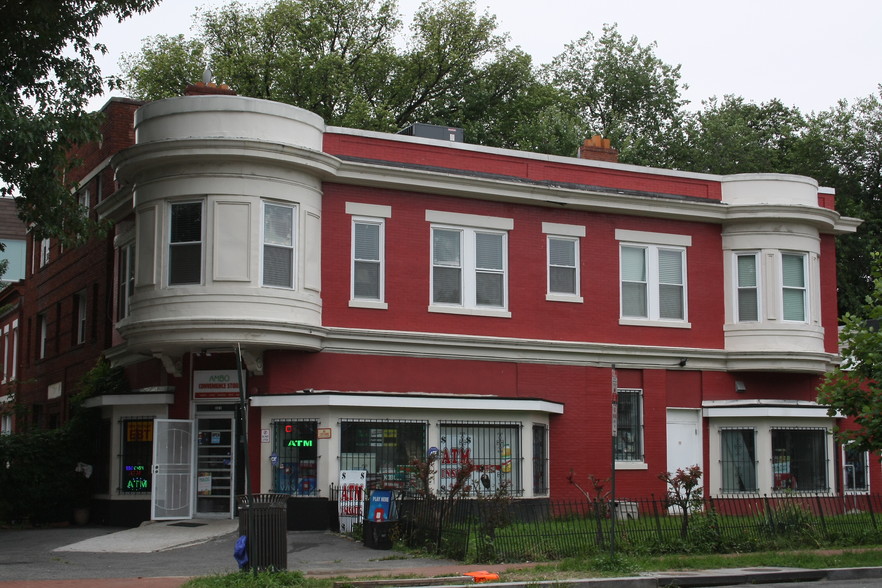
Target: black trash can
[264,522]
[379,534]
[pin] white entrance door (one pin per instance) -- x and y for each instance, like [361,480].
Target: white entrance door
[172,469]
[684,438]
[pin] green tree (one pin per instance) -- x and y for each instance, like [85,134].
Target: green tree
[623,91]
[47,74]
[165,66]
[855,387]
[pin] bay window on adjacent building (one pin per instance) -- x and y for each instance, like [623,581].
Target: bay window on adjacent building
[279,223]
[185,244]
[469,263]
[799,459]
[653,277]
[794,287]
[738,459]
[295,457]
[629,433]
[747,286]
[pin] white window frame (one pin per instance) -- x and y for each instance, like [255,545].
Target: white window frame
[866,466]
[571,234]
[200,242]
[739,288]
[81,317]
[6,423]
[640,429]
[804,289]
[45,245]
[44,334]
[469,226]
[84,200]
[372,215]
[292,246]
[6,353]
[126,279]
[652,244]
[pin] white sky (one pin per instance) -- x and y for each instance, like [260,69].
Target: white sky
[807,53]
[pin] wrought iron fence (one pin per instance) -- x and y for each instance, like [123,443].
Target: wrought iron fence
[514,530]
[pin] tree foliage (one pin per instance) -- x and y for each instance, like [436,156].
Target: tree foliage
[855,388]
[47,74]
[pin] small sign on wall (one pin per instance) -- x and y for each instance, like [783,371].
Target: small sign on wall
[324,433]
[264,436]
[215,384]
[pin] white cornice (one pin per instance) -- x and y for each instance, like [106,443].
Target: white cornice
[128,400]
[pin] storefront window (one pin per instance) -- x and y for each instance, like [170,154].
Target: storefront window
[294,457]
[799,459]
[540,459]
[385,449]
[491,449]
[137,455]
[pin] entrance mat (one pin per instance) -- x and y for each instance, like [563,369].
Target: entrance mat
[186,525]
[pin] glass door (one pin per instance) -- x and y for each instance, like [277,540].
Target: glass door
[215,464]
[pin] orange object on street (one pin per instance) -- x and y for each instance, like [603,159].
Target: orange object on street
[482,576]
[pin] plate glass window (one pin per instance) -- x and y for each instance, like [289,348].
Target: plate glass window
[278,245]
[799,459]
[185,244]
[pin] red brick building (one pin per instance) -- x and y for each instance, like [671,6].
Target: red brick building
[393,296]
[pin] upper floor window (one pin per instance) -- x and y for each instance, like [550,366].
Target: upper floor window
[653,276]
[469,263]
[748,287]
[126,279]
[84,198]
[80,318]
[43,325]
[278,245]
[368,254]
[44,252]
[794,290]
[563,261]
[185,244]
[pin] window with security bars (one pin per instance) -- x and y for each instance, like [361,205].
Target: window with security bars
[738,460]
[799,459]
[136,459]
[367,259]
[794,291]
[295,457]
[856,471]
[491,451]
[185,244]
[385,449]
[653,282]
[563,266]
[278,245]
[540,460]
[748,287]
[629,432]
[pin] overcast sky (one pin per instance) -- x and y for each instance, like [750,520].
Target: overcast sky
[807,53]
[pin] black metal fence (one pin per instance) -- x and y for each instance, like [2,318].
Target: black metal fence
[487,530]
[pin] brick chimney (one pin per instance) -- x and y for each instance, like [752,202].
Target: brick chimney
[599,149]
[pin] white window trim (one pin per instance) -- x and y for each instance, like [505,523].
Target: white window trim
[470,225]
[652,289]
[573,233]
[375,214]
[6,350]
[806,287]
[44,335]
[737,287]
[263,244]
[201,241]
[867,474]
[126,279]
[45,245]
[82,319]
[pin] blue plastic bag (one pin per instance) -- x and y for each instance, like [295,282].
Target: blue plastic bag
[240,552]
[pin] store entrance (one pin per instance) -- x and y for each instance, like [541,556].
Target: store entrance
[215,462]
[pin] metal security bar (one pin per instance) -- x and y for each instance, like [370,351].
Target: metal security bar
[491,449]
[295,457]
[136,457]
[385,449]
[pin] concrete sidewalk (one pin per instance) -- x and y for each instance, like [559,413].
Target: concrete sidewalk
[165,554]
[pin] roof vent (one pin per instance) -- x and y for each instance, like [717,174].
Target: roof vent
[427,131]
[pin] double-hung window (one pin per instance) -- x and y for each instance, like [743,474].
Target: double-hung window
[368,254]
[469,263]
[629,425]
[562,243]
[747,276]
[126,278]
[794,290]
[653,276]
[185,244]
[278,245]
